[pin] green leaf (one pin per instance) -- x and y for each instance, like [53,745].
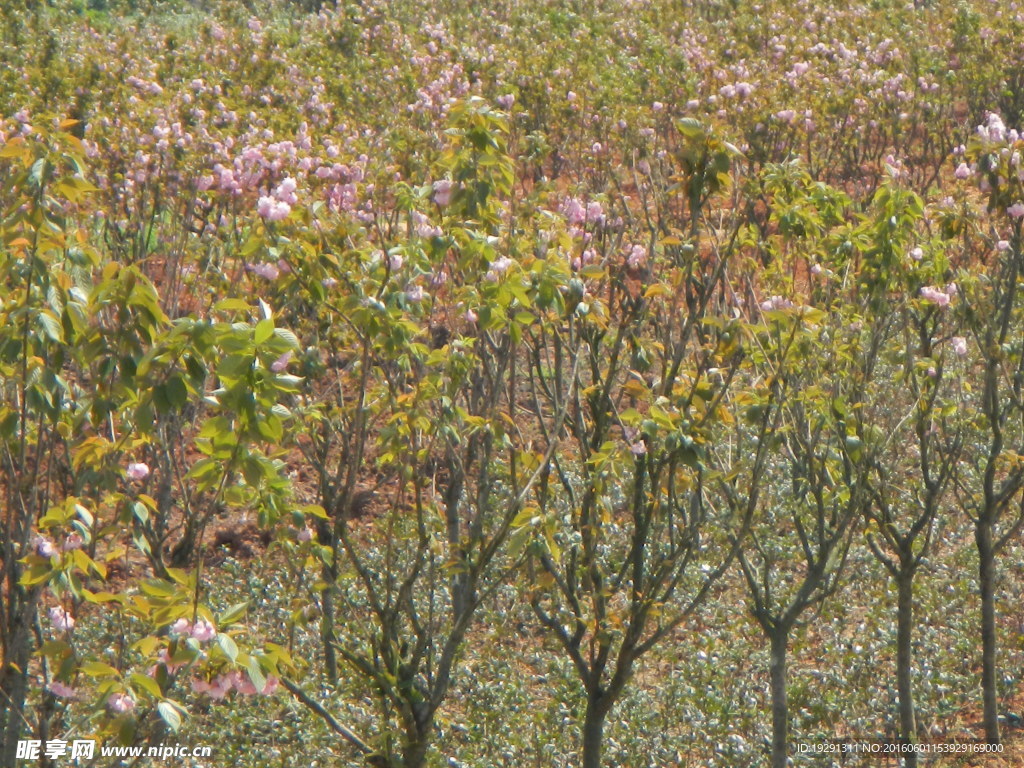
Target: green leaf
[148,684]
[227,644]
[170,714]
[231,305]
[98,669]
[256,674]
[232,614]
[264,330]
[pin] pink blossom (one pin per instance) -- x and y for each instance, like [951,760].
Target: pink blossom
[204,631]
[138,471]
[952,290]
[917,253]
[180,628]
[44,547]
[637,256]
[395,262]
[285,192]
[62,621]
[422,226]
[272,209]
[776,303]
[657,106]
[271,686]
[220,687]
[638,448]
[243,684]
[959,345]
[816,269]
[506,101]
[935,296]
[1003,245]
[443,192]
[304,535]
[120,703]
[62,691]
[1016,210]
[72,542]
[574,211]
[281,363]
[962,171]
[500,266]
[471,316]
[415,293]
[266,271]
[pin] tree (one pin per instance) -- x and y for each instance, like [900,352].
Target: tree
[623,545]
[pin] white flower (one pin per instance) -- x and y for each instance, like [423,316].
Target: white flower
[62,621]
[120,703]
[443,192]
[138,471]
[180,628]
[44,547]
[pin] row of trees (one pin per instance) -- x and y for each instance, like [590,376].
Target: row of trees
[615,408]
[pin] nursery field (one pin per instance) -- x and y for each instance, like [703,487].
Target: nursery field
[516,384]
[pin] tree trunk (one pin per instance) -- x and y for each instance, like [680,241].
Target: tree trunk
[327,637]
[14,682]
[414,754]
[593,730]
[986,587]
[904,662]
[780,707]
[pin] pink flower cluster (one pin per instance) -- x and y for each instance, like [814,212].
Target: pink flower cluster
[939,296]
[202,630]
[120,703]
[443,192]
[223,684]
[266,271]
[62,620]
[776,302]
[278,204]
[137,471]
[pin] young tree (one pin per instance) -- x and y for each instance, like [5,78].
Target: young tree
[905,411]
[806,500]
[431,394]
[623,544]
[989,481]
